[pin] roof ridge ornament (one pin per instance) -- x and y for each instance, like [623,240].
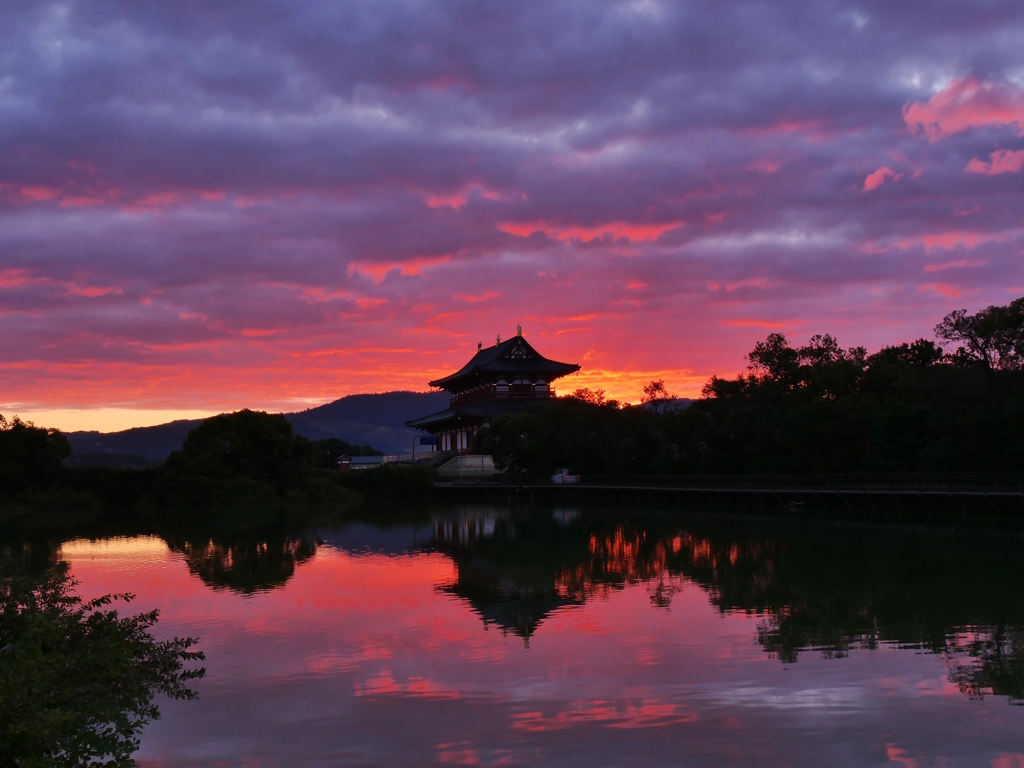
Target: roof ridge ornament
[519,331]
[497,340]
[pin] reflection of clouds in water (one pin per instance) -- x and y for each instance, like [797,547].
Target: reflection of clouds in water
[368,663]
[833,700]
[612,714]
[384,684]
[119,552]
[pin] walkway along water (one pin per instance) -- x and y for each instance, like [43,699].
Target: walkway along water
[989,499]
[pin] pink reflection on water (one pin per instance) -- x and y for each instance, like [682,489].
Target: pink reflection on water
[362,660]
[613,714]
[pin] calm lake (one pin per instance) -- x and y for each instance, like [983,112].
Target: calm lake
[575,636]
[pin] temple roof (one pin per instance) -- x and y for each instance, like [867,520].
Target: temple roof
[513,357]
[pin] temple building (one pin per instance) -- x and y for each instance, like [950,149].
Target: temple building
[499,379]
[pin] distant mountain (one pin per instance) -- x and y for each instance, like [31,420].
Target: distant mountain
[151,443]
[375,420]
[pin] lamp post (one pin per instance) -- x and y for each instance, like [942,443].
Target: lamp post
[414,439]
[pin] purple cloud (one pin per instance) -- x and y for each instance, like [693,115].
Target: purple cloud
[261,187]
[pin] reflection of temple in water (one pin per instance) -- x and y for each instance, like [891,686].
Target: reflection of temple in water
[500,572]
[461,529]
[517,570]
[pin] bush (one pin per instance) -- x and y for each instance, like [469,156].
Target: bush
[77,681]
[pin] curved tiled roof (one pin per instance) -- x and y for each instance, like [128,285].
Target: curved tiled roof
[483,410]
[514,357]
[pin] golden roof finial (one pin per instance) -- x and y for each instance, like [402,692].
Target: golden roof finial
[519,330]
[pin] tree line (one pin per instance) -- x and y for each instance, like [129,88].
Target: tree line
[953,403]
[246,468]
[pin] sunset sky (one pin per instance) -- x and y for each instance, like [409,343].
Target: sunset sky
[274,203]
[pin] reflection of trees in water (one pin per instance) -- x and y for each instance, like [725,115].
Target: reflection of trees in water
[838,591]
[988,662]
[829,591]
[244,565]
[623,556]
[33,557]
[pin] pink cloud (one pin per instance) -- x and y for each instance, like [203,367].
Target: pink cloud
[617,230]
[17,278]
[379,270]
[877,178]
[942,241]
[766,166]
[949,240]
[460,198]
[945,290]
[954,265]
[1009,760]
[901,756]
[471,299]
[39,192]
[452,201]
[965,103]
[81,201]
[1003,161]
[92,291]
[815,129]
[772,325]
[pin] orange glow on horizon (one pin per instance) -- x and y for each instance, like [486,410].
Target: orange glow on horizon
[274,390]
[114,384]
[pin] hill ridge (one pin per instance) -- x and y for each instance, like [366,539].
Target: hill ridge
[377,419]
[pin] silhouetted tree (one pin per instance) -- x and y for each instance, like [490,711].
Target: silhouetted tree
[247,466]
[911,407]
[589,437]
[30,456]
[994,336]
[774,359]
[594,397]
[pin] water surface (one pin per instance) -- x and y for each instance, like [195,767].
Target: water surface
[584,637]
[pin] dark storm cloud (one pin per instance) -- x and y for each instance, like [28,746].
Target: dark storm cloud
[188,173]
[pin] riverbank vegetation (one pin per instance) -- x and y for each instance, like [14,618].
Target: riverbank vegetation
[77,680]
[955,404]
[236,471]
[952,404]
